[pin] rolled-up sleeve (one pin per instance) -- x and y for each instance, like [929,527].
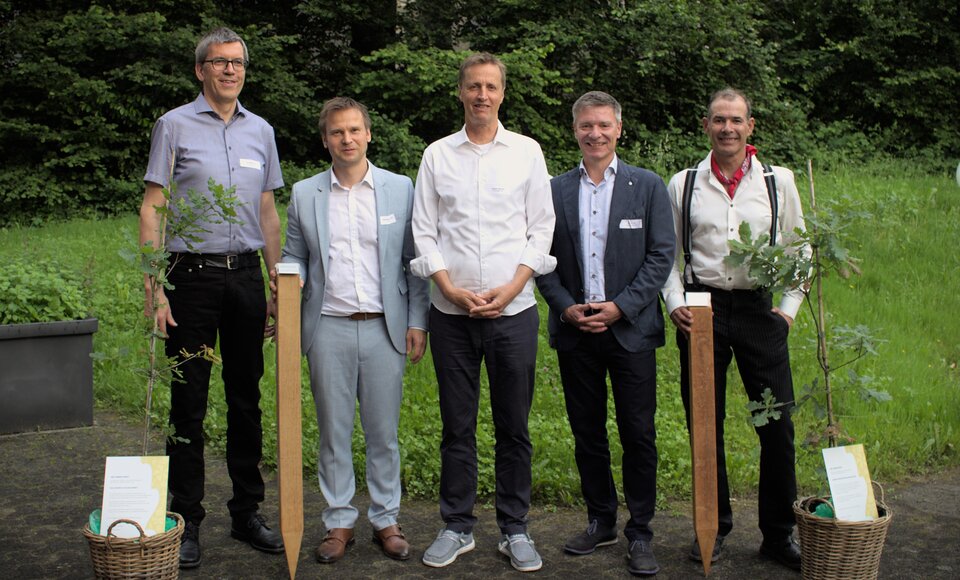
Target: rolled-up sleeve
[791,220]
[541,219]
[672,291]
[426,202]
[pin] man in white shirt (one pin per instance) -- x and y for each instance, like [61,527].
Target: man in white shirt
[349,230]
[483,223]
[729,188]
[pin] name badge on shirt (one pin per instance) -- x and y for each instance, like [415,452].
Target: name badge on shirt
[386,220]
[632,224]
[250,164]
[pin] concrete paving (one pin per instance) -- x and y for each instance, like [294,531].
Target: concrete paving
[50,482]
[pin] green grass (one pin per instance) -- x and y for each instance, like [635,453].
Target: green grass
[909,294]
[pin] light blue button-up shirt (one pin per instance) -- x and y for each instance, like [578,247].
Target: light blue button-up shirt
[594,220]
[191,144]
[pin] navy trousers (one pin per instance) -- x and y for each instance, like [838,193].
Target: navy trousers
[633,377]
[508,346]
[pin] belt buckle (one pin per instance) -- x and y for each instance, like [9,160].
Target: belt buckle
[233,262]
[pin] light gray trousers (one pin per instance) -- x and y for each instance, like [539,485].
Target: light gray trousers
[355,361]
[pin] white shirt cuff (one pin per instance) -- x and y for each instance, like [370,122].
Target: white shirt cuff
[538,261]
[673,301]
[790,303]
[428,265]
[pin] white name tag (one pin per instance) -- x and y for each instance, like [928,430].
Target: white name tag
[634,224]
[250,164]
[386,220]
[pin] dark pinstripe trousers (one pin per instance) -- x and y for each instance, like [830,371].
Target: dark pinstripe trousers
[745,327]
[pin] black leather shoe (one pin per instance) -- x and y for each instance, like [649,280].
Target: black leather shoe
[190,546]
[590,539]
[787,552]
[717,549]
[641,561]
[253,530]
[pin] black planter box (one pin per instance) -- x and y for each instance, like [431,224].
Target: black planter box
[46,375]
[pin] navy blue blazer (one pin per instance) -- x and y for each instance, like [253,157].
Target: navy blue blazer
[636,263]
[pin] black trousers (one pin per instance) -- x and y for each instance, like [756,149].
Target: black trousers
[745,327]
[208,302]
[508,346]
[633,377]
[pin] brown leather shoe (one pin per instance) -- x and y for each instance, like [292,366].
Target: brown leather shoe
[393,542]
[334,545]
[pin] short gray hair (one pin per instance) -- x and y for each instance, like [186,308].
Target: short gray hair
[729,94]
[596,99]
[218,36]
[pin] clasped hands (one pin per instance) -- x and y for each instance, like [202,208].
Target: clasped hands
[489,304]
[594,317]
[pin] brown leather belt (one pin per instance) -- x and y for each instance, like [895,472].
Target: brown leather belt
[365,315]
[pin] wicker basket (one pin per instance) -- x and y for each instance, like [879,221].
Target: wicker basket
[155,556]
[833,549]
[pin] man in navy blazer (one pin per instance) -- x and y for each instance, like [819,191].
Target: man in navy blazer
[614,243]
[362,313]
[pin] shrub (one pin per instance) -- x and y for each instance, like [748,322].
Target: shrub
[41,292]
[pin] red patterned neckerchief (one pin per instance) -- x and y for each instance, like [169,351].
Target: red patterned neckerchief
[731,184]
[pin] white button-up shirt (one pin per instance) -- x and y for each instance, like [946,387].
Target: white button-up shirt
[594,219]
[480,213]
[353,278]
[715,220]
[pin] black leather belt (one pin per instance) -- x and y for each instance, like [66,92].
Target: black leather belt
[226,261]
[692,287]
[365,315]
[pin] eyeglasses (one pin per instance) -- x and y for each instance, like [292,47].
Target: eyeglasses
[220,64]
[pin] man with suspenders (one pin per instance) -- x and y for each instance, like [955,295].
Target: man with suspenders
[710,202]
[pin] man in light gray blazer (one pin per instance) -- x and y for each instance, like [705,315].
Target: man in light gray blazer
[362,311]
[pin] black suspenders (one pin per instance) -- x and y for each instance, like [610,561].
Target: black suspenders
[687,198]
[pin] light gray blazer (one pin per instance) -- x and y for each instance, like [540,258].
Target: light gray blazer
[406,298]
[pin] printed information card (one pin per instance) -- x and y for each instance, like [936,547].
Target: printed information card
[850,487]
[135,488]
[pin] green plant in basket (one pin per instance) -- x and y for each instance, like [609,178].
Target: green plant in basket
[830,548]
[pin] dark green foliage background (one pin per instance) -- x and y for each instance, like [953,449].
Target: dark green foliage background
[83,82]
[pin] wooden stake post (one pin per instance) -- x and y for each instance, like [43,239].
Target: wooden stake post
[289,432]
[703,426]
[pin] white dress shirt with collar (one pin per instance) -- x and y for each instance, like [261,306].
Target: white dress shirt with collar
[480,213]
[353,278]
[594,220]
[715,220]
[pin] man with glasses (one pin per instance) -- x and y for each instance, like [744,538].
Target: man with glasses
[217,284]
